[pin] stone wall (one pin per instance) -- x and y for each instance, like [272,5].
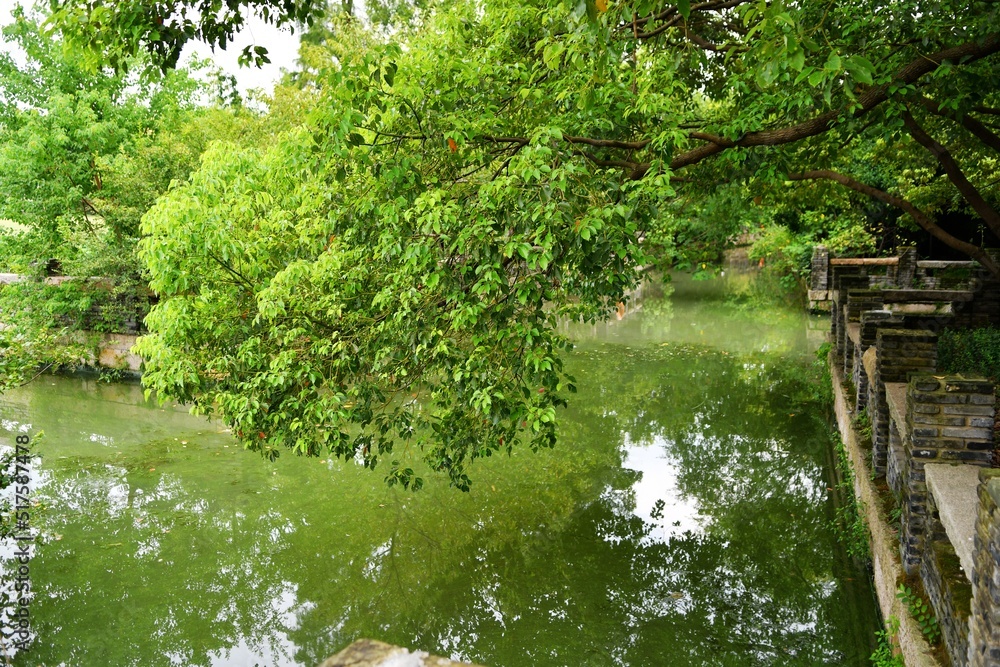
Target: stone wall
[870,322]
[946,419]
[925,426]
[984,633]
[946,586]
[838,327]
[819,269]
[899,354]
[858,301]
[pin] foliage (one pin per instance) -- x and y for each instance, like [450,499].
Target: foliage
[921,612]
[849,523]
[782,254]
[120,31]
[34,335]
[975,351]
[82,156]
[392,270]
[784,245]
[117,33]
[885,654]
[690,233]
[863,424]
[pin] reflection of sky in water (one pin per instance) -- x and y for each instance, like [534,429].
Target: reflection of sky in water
[657,496]
[276,649]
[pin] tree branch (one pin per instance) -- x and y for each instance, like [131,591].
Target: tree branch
[921,218]
[670,16]
[955,173]
[981,132]
[909,73]
[608,143]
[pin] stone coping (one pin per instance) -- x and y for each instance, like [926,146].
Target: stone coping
[946,264]
[372,653]
[955,491]
[864,261]
[921,308]
[895,396]
[854,333]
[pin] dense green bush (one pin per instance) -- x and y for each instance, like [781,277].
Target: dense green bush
[970,351]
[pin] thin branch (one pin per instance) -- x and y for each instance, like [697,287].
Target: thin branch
[609,143]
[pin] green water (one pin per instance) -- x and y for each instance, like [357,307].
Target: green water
[683,519]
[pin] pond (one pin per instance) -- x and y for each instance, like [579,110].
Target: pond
[684,518]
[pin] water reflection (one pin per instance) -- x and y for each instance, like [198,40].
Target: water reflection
[682,520]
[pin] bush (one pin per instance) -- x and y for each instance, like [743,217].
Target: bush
[970,351]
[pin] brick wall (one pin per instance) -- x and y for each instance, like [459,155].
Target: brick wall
[871,321]
[984,634]
[842,282]
[947,587]
[949,420]
[819,270]
[906,268]
[900,353]
[858,301]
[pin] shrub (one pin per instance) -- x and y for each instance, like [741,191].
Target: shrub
[970,351]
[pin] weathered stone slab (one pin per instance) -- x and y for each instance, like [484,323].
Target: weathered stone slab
[864,261]
[955,490]
[921,308]
[854,332]
[372,653]
[895,396]
[946,264]
[868,361]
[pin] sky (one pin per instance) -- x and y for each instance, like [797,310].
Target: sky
[282,48]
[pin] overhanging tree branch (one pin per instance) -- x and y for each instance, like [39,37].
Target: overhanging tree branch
[870,99]
[909,73]
[921,218]
[955,173]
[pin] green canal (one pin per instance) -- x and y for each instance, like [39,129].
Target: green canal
[684,518]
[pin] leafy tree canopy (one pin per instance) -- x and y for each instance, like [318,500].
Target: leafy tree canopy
[120,31]
[83,155]
[394,269]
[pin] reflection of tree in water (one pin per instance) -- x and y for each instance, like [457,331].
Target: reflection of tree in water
[547,562]
[758,584]
[156,574]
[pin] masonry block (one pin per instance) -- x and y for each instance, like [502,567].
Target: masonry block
[945,436]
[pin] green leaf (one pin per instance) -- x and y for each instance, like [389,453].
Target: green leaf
[860,68]
[797,60]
